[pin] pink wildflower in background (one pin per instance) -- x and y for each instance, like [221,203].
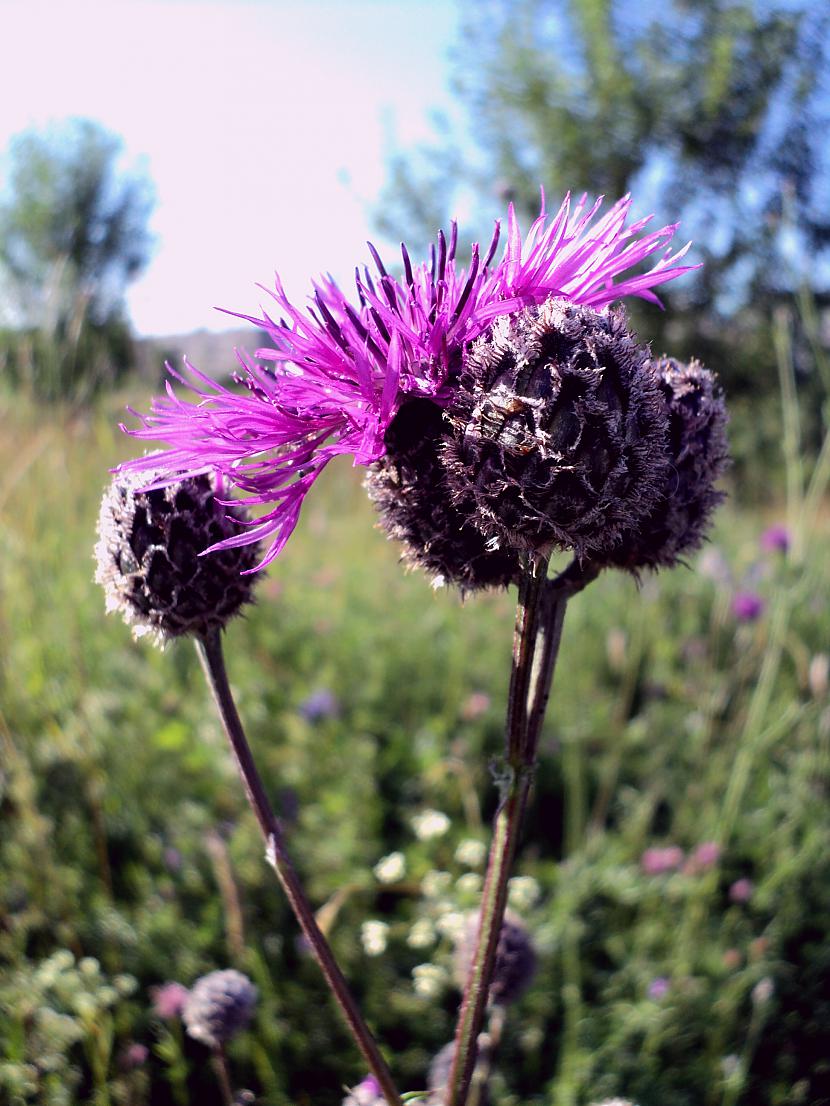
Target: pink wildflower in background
[704,857]
[339,371]
[657,861]
[169,1000]
[741,890]
[658,988]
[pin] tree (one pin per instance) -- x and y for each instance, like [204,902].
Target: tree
[709,111]
[73,234]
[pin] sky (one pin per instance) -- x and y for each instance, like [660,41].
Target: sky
[263,125]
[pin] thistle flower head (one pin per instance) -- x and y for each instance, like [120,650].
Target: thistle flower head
[698,455]
[148,558]
[515,959]
[219,1005]
[336,375]
[559,431]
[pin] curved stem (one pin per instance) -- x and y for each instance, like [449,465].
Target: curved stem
[210,653]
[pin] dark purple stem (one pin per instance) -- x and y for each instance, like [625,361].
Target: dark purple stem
[210,654]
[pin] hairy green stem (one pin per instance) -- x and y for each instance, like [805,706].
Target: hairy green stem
[210,653]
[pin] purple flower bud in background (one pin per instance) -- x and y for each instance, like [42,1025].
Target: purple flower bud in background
[747,606]
[704,857]
[218,1006]
[319,705]
[366,1093]
[776,539]
[475,705]
[656,861]
[658,988]
[169,1000]
[515,959]
[741,890]
[134,1056]
[172,859]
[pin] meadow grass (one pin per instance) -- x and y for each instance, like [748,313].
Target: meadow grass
[129,857]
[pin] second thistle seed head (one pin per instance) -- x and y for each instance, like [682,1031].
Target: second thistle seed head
[409,489]
[515,959]
[148,556]
[698,453]
[559,430]
[219,1005]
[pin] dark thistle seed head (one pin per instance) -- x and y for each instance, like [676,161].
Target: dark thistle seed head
[559,437]
[148,556]
[408,488]
[515,959]
[698,453]
[219,1005]
[440,1067]
[438,1075]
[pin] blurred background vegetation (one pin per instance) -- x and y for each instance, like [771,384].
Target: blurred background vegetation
[675,871]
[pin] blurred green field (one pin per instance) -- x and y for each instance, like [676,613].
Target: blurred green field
[129,858]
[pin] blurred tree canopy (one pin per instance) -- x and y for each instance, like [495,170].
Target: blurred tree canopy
[714,112]
[73,234]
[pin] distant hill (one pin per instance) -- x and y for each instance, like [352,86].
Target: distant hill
[212,352]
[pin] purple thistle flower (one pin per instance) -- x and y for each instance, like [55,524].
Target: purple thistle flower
[366,1093]
[775,539]
[340,372]
[658,988]
[747,606]
[319,705]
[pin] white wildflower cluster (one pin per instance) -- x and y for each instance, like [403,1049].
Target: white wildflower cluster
[452,924]
[374,936]
[422,934]
[430,823]
[391,868]
[430,980]
[435,883]
[469,883]
[471,853]
[523,892]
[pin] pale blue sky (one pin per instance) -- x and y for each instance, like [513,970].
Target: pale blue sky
[263,124]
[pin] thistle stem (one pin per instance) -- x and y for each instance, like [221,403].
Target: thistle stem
[211,656]
[536,639]
[220,1066]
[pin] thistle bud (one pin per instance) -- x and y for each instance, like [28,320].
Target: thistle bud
[219,1005]
[148,558]
[408,487]
[515,959]
[559,435]
[698,453]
